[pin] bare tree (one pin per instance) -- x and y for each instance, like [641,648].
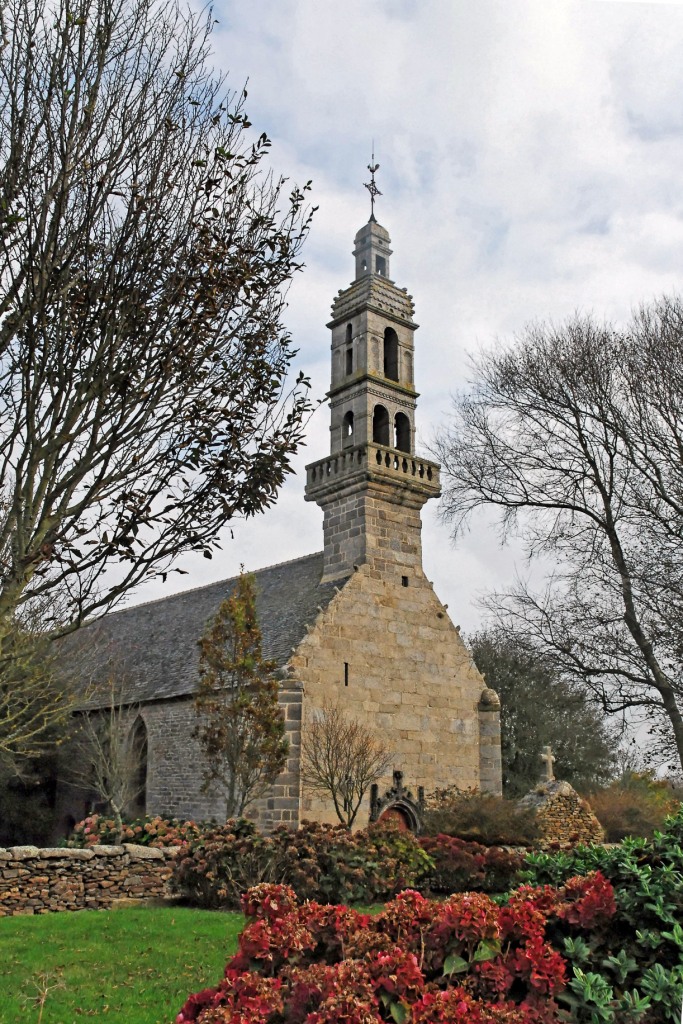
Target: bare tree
[576,434]
[144,257]
[341,758]
[105,752]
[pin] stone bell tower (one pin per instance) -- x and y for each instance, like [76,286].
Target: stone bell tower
[372,486]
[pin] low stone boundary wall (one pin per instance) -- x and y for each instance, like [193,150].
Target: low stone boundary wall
[38,881]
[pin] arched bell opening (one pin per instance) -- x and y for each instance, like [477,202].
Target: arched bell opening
[347,429]
[390,353]
[402,431]
[381,426]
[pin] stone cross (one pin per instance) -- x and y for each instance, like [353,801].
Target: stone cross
[548,757]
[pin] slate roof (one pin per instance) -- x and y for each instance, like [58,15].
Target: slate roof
[156,643]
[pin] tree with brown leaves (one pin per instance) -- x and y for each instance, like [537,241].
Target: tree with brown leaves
[241,729]
[145,252]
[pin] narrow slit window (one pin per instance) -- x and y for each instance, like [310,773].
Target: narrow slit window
[346,673]
[390,354]
[404,581]
[349,361]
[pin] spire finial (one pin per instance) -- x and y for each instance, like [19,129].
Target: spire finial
[370,186]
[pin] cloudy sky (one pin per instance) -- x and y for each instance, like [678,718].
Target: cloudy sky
[531,155]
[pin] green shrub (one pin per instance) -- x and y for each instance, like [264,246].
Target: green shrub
[320,862]
[643,946]
[223,862]
[481,817]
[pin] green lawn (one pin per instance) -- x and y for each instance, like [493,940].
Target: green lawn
[127,966]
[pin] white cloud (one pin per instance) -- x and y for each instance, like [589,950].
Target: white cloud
[530,158]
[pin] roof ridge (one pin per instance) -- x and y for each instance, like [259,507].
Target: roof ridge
[206,586]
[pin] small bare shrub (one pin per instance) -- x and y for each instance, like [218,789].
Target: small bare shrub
[635,805]
[481,817]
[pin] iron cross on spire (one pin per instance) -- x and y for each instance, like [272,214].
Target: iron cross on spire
[370,186]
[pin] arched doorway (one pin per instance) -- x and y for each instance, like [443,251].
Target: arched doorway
[396,816]
[398,805]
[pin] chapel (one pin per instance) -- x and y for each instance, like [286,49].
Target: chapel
[357,625]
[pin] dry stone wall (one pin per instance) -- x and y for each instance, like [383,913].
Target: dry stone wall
[562,815]
[38,881]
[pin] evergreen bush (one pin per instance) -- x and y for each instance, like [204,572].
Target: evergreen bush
[643,945]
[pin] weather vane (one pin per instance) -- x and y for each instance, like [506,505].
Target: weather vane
[370,186]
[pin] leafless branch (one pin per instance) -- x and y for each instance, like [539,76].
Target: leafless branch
[341,758]
[575,433]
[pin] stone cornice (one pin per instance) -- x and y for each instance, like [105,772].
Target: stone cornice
[375,385]
[378,294]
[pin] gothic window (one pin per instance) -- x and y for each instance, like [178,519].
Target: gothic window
[138,745]
[347,429]
[402,427]
[380,426]
[390,354]
[349,333]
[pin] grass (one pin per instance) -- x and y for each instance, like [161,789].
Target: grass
[125,966]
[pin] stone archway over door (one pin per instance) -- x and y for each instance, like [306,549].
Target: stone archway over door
[398,803]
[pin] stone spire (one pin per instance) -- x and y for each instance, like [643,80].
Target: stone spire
[372,486]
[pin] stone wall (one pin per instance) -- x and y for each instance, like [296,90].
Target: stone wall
[38,881]
[280,806]
[562,815]
[366,527]
[175,764]
[390,657]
